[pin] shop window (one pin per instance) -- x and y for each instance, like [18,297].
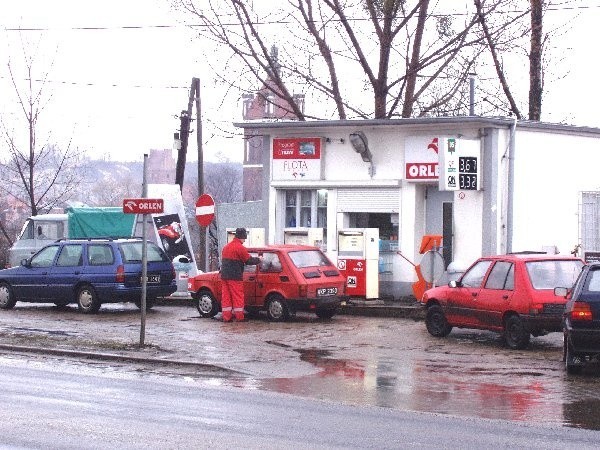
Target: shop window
[307,209]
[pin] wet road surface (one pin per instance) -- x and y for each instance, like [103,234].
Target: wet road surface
[387,362]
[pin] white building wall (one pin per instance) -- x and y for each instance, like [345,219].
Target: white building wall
[551,170]
[468,227]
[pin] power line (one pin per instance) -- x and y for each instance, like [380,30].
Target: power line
[89,84]
[278,22]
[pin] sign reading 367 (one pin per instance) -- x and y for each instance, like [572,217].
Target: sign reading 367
[459,164]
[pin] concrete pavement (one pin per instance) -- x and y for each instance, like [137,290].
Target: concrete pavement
[176,334]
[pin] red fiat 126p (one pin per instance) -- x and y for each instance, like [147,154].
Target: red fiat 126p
[290,278]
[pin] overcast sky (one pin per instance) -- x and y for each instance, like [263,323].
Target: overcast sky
[119,91]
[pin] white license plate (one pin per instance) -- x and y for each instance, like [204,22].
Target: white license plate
[153,278]
[323,292]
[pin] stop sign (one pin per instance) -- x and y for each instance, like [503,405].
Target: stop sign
[205,210]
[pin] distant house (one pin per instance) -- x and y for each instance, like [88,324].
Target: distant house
[263,105]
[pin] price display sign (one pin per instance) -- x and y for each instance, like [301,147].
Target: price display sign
[459,165]
[467,173]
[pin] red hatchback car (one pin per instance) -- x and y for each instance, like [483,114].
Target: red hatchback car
[510,294]
[290,278]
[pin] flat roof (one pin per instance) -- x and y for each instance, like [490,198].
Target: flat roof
[478,121]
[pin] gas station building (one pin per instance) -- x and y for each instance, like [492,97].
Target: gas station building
[371,193]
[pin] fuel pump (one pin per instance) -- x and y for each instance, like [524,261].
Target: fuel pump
[358,261]
[304,236]
[256,236]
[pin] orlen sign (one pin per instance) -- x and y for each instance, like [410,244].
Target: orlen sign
[143,205]
[421,158]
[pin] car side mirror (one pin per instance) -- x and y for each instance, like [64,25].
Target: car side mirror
[454,284]
[25,262]
[561,291]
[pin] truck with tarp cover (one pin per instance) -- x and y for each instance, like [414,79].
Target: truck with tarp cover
[76,222]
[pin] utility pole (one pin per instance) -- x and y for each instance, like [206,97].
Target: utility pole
[184,132]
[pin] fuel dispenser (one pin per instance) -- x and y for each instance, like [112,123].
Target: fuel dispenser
[358,261]
[304,236]
[256,237]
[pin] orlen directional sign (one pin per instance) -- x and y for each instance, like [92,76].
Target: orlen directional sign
[143,205]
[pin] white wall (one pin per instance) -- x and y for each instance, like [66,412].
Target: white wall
[550,171]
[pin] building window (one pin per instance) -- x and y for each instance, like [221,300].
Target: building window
[306,208]
[269,105]
[589,216]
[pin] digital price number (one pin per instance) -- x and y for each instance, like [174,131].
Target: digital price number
[467,173]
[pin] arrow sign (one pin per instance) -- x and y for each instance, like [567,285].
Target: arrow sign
[143,205]
[205,210]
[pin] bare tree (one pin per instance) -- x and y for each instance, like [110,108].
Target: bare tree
[41,176]
[409,58]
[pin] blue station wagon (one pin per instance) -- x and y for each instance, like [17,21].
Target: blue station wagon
[88,272]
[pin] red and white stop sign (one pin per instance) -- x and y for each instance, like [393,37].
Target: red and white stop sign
[205,210]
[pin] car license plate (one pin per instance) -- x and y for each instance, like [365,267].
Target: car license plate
[322,292]
[153,278]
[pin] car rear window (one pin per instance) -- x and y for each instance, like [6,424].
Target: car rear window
[132,252]
[550,274]
[592,283]
[308,258]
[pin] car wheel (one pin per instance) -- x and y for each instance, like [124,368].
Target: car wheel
[206,304]
[325,313]
[87,300]
[149,303]
[436,322]
[516,335]
[277,310]
[573,362]
[7,298]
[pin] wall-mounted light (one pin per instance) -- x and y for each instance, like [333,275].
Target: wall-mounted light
[361,145]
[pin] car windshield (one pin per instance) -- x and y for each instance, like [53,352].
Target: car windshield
[132,252]
[309,258]
[550,274]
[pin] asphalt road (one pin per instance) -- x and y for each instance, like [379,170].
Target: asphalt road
[365,361]
[59,406]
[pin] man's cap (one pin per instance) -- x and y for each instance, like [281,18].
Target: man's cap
[241,233]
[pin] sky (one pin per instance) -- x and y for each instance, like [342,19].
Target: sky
[118,92]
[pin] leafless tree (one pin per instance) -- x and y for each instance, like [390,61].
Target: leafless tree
[41,176]
[223,181]
[409,58]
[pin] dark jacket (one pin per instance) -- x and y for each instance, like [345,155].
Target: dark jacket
[233,259]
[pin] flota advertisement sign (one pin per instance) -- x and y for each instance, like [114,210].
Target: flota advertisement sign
[297,159]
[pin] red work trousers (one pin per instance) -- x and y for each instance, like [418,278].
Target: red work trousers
[232,299]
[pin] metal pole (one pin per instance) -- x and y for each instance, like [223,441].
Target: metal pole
[471,94]
[144,257]
[203,233]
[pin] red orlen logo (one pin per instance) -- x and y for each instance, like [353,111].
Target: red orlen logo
[143,205]
[434,145]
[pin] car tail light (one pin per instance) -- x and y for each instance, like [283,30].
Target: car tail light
[581,311]
[120,275]
[302,290]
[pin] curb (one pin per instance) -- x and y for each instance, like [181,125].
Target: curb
[114,357]
[354,307]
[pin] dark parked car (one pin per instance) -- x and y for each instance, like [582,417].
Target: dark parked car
[88,272]
[581,325]
[510,294]
[290,278]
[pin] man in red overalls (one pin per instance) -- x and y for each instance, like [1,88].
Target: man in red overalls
[233,259]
